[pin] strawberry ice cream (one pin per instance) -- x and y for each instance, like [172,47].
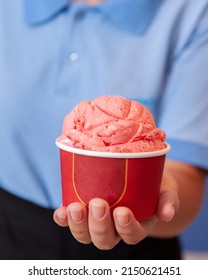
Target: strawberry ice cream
[110,148]
[112,124]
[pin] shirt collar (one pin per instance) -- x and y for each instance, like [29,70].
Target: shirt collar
[132,15]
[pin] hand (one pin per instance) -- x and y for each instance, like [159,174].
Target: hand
[98,226]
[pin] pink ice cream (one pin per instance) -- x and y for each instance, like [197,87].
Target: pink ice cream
[113,124]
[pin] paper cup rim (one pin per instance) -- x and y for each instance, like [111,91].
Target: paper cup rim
[113,154]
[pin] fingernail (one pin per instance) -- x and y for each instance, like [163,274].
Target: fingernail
[61,217]
[98,211]
[170,211]
[76,214]
[122,219]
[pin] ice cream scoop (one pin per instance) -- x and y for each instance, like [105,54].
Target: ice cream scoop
[113,124]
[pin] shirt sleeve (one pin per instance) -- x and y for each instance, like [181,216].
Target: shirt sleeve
[184,107]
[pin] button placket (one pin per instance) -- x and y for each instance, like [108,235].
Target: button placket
[73,57]
[71,61]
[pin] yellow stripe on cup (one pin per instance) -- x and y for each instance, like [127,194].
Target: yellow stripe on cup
[75,189]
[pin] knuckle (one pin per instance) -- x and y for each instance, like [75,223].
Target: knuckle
[87,241]
[131,238]
[105,246]
[78,232]
[132,241]
[99,231]
[127,233]
[82,238]
[103,243]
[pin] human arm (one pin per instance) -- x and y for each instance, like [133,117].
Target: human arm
[189,186]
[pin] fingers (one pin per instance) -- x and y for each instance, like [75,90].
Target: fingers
[130,230]
[60,216]
[169,202]
[101,226]
[75,217]
[166,207]
[106,232]
[97,225]
[78,222]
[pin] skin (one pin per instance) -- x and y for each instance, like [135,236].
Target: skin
[181,196]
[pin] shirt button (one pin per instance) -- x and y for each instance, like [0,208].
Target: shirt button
[73,57]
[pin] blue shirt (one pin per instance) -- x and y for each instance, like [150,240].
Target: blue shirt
[53,54]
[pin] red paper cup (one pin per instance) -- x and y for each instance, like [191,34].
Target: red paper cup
[122,179]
